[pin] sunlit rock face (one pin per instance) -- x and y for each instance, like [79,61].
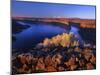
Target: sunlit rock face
[64,40]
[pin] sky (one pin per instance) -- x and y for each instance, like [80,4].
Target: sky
[52,10]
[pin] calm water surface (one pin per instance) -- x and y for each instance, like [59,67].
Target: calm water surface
[37,33]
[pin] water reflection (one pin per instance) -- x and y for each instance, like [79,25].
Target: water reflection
[75,30]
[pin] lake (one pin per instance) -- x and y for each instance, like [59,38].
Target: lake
[36,33]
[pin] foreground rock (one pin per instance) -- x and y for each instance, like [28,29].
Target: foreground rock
[53,56]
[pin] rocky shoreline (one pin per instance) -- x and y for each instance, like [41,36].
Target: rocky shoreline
[60,53]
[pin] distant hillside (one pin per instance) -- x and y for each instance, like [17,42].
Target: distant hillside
[84,23]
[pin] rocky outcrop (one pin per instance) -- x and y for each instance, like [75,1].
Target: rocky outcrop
[59,53]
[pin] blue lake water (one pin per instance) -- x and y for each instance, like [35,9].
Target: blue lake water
[37,33]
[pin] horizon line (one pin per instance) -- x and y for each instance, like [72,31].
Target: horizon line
[51,17]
